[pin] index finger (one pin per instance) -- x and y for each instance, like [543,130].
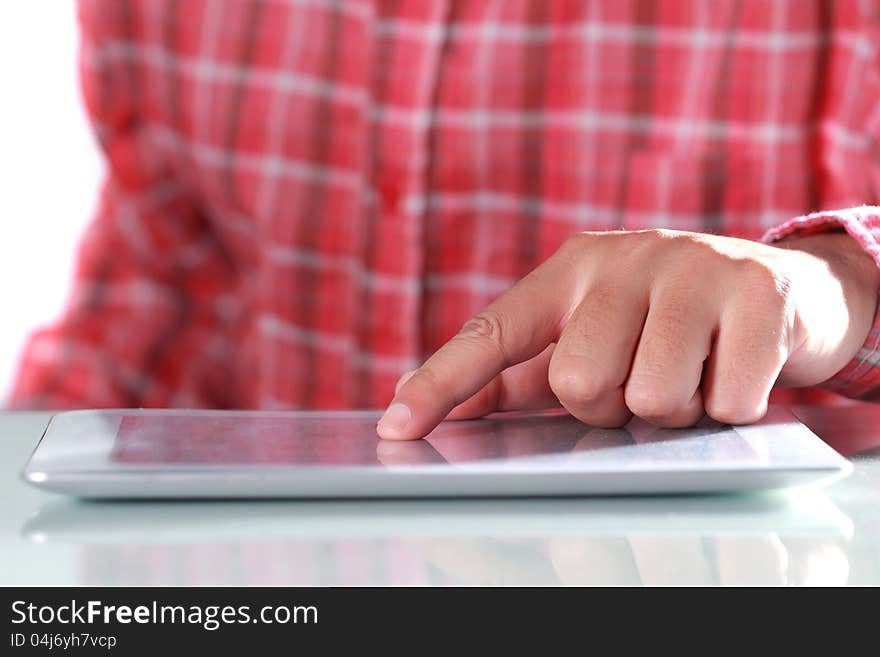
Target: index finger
[514,328]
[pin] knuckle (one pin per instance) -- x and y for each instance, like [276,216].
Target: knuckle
[577,241]
[763,282]
[651,402]
[573,249]
[727,412]
[776,298]
[617,248]
[580,242]
[575,387]
[685,256]
[433,382]
[764,301]
[484,326]
[486,330]
[424,376]
[635,244]
[664,238]
[406,376]
[662,234]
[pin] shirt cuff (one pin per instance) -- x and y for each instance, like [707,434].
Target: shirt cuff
[860,378]
[863,223]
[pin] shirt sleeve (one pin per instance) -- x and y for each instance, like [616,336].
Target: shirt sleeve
[860,378]
[147,318]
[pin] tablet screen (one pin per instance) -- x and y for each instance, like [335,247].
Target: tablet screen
[326,441]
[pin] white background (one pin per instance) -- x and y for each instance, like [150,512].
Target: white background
[49,168]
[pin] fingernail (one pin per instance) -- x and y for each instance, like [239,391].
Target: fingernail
[396,417]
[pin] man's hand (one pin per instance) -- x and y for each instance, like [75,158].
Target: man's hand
[665,325]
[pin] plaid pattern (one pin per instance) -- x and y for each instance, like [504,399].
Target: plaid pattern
[305,198]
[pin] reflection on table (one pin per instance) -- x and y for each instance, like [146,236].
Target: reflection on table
[797,537]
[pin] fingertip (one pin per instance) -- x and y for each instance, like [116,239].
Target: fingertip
[422,400]
[393,425]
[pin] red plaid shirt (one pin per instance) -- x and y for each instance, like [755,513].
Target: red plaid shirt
[306,198]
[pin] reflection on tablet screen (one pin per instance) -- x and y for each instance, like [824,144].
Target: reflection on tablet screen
[304,440]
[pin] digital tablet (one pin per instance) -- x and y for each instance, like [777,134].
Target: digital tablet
[320,454]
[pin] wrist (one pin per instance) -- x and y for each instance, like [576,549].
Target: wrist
[843,261]
[844,256]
